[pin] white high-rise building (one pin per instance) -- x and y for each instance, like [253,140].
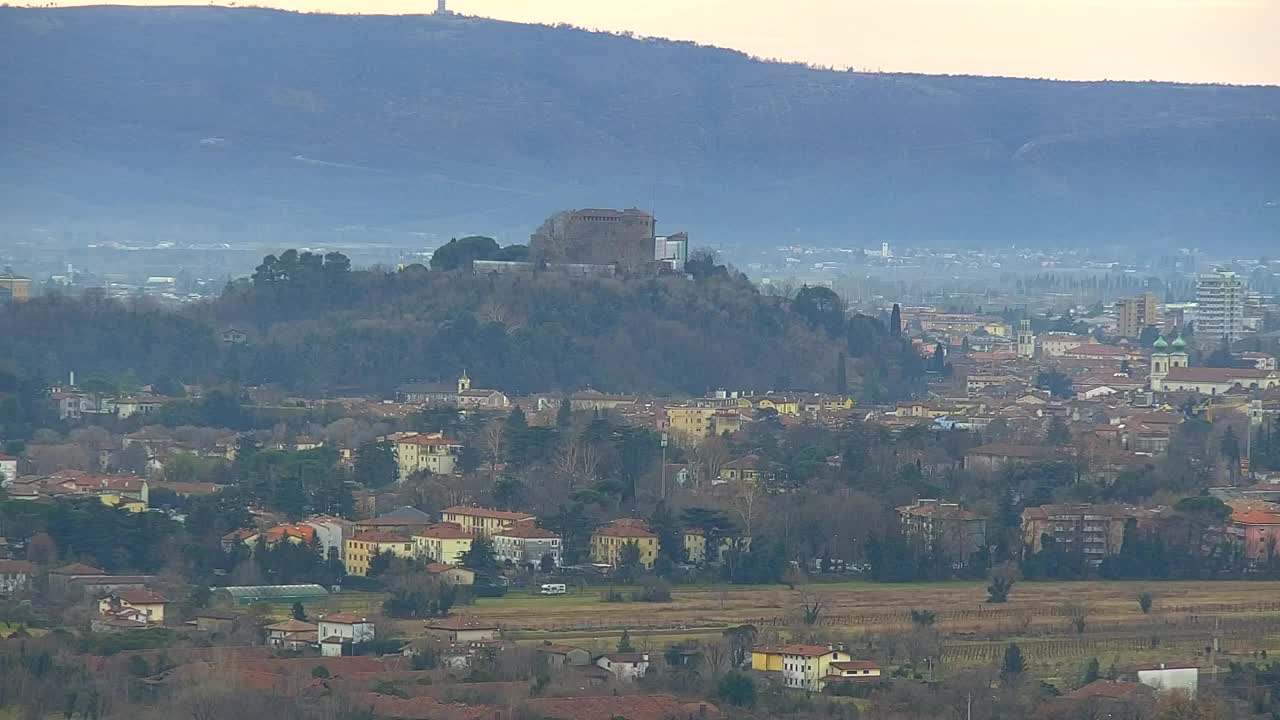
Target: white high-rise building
[1220,300]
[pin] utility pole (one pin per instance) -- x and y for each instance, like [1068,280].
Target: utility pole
[663,489]
[968,706]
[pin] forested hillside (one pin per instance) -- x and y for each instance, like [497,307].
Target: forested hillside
[319,327]
[244,124]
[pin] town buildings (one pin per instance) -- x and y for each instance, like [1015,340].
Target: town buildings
[1097,531]
[430,452]
[802,667]
[359,550]
[337,632]
[15,576]
[443,543]
[959,533]
[1135,314]
[483,522]
[1220,306]
[609,541]
[526,544]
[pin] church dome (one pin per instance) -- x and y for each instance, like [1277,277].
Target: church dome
[1179,343]
[1160,344]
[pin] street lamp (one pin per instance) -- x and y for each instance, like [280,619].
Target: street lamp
[663,489]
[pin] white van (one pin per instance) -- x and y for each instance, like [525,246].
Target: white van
[554,589]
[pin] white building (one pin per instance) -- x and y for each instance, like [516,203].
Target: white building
[626,667]
[1164,677]
[672,250]
[8,470]
[340,630]
[525,544]
[15,575]
[1220,302]
[330,532]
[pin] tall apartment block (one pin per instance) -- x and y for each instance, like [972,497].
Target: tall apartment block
[1220,301]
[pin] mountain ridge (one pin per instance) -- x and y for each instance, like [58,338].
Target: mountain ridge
[243,123]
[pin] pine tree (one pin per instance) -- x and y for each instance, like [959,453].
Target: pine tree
[842,379]
[564,415]
[1013,663]
[895,320]
[624,642]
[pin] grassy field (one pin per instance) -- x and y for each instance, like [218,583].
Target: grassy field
[1244,616]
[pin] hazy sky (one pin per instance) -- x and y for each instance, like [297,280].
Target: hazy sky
[1235,41]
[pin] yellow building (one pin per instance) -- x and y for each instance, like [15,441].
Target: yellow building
[443,543]
[803,667]
[608,541]
[432,452]
[996,329]
[482,522]
[695,546]
[780,404]
[836,404]
[691,424]
[359,550]
[14,288]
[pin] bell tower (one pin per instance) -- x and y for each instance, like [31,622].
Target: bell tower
[464,383]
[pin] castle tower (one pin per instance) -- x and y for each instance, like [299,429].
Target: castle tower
[441,8]
[1160,359]
[1026,341]
[464,383]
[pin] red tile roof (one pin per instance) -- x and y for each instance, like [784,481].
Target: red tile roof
[807,650]
[1111,689]
[444,531]
[527,531]
[77,569]
[16,567]
[380,537]
[486,513]
[141,597]
[345,618]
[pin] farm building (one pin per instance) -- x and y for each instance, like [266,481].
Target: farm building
[250,594]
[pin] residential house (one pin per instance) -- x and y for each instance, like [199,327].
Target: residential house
[853,671]
[695,546]
[216,622]
[292,634]
[608,541]
[243,536]
[233,336]
[625,667]
[142,606]
[781,404]
[60,577]
[330,532]
[15,576]
[691,424]
[451,574]
[1163,677]
[748,469]
[803,667]
[946,525]
[443,543]
[431,452]
[460,629]
[483,522]
[339,631]
[561,656]
[359,550]
[526,544]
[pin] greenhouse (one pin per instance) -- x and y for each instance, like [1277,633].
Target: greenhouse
[250,594]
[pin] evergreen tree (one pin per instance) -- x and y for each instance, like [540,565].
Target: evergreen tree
[379,563]
[624,642]
[298,612]
[564,415]
[1092,672]
[895,320]
[842,378]
[516,436]
[481,557]
[375,464]
[1058,434]
[670,539]
[1013,663]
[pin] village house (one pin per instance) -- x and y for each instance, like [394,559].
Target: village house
[451,574]
[750,469]
[460,394]
[995,457]
[295,635]
[608,542]
[15,576]
[526,544]
[140,606]
[217,622]
[562,656]
[625,667]
[483,522]
[339,631]
[802,667]
[461,629]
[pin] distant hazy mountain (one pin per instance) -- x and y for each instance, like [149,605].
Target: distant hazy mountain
[257,125]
